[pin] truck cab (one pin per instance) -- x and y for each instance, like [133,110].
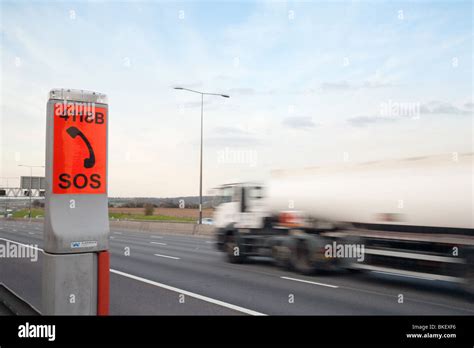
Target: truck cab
[239,207]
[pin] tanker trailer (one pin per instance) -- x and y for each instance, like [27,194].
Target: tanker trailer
[411,217]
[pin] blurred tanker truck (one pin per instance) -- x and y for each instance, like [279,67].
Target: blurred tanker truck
[411,217]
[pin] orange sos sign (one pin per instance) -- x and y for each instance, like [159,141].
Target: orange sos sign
[80,148]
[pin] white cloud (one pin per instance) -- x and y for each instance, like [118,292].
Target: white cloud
[299,122]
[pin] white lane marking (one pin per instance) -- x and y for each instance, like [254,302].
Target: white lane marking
[26,245]
[118,232]
[188,293]
[210,242]
[31,233]
[169,257]
[111,237]
[122,240]
[14,230]
[309,282]
[153,236]
[158,243]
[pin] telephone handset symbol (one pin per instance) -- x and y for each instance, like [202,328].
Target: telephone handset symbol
[74,132]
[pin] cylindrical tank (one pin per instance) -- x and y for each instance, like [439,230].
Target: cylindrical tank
[435,191]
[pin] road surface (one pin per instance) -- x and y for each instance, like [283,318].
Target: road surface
[186,275]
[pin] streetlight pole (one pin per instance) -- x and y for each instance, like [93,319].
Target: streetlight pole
[200,170]
[31,182]
[200,167]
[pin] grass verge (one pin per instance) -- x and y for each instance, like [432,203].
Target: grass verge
[115,216]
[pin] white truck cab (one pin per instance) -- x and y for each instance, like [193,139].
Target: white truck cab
[240,205]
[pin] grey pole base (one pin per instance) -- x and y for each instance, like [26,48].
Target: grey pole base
[69,284]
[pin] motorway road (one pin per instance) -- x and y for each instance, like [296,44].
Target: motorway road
[162,268]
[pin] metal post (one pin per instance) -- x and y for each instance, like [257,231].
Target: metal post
[6,201]
[31,184]
[200,176]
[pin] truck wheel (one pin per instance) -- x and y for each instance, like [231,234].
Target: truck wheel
[233,250]
[280,255]
[301,258]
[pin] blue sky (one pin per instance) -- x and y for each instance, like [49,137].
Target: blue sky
[307,80]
